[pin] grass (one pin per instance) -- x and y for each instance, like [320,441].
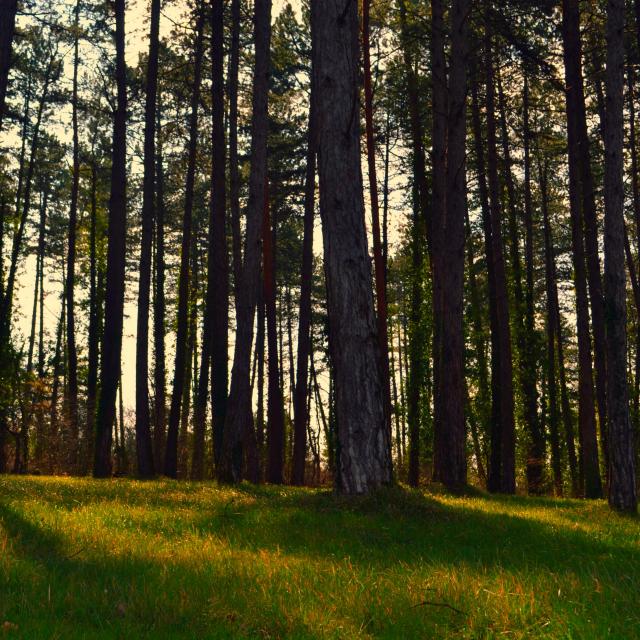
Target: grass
[126,559]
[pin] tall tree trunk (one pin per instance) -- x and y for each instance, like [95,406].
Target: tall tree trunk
[116,256]
[622,477]
[239,436]
[159,307]
[536,450]
[71,397]
[275,411]
[301,416]
[503,386]
[452,388]
[550,284]
[591,485]
[171,451]
[234,169]
[218,282]
[8,10]
[378,258]
[576,117]
[419,222]
[144,451]
[364,461]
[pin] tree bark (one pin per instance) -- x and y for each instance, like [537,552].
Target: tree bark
[116,257]
[301,416]
[364,461]
[171,450]
[591,485]
[622,477]
[239,437]
[8,10]
[144,450]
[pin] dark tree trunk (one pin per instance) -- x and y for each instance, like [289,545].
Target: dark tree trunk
[8,10]
[116,255]
[550,285]
[364,461]
[536,449]
[591,485]
[234,170]
[504,371]
[71,395]
[218,283]
[622,477]
[378,258]
[171,450]
[275,412]
[301,416]
[452,389]
[420,217]
[576,118]
[159,307]
[144,450]
[239,436]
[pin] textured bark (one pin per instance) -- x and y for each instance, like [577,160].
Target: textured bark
[8,10]
[144,451]
[171,450]
[576,118]
[364,461]
[301,415]
[378,259]
[239,436]
[590,482]
[503,386]
[622,477]
[452,389]
[116,255]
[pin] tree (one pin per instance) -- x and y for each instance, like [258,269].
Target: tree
[622,479]
[144,449]
[364,450]
[116,256]
[8,10]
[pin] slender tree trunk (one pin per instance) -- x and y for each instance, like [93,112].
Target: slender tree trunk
[71,397]
[420,220]
[116,256]
[504,371]
[622,477]
[301,416]
[378,257]
[159,307]
[239,436]
[259,351]
[364,461]
[144,450]
[275,413]
[591,485]
[8,10]
[234,170]
[550,283]
[218,282]
[171,451]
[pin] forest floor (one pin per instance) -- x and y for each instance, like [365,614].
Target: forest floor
[124,559]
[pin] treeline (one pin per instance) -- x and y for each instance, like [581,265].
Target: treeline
[460,316]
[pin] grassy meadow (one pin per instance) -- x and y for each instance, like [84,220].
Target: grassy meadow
[81,558]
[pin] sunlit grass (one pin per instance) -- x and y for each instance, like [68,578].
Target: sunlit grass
[126,559]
